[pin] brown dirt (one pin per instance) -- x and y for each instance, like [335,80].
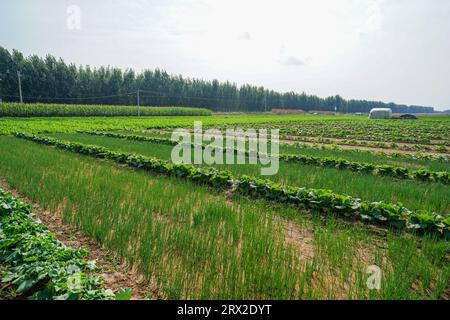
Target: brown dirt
[299,237]
[116,273]
[288,111]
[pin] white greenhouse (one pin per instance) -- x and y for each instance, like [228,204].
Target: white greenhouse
[380,113]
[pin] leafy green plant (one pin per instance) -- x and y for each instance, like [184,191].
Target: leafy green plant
[124,294]
[38,265]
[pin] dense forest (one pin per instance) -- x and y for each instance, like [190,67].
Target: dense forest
[52,80]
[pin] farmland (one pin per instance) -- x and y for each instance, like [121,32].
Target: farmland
[310,231]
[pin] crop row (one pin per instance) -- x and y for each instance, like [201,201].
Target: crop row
[440,146]
[38,265]
[388,214]
[326,162]
[377,135]
[400,131]
[393,155]
[9,126]
[418,148]
[68,110]
[372,144]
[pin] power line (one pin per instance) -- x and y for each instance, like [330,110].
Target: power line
[75,98]
[140,93]
[188,97]
[164,95]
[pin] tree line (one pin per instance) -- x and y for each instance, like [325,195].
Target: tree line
[52,80]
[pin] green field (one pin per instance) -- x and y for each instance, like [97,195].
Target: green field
[415,195]
[200,241]
[9,125]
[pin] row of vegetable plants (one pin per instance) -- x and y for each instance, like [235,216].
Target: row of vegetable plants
[371,144]
[378,135]
[401,131]
[324,143]
[413,132]
[326,162]
[393,155]
[74,110]
[440,146]
[37,265]
[10,125]
[387,214]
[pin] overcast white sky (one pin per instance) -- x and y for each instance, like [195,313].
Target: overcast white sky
[388,50]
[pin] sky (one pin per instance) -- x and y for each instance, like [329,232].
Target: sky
[384,50]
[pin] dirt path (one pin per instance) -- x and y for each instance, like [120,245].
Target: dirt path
[116,273]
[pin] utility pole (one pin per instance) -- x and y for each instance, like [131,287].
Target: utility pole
[265,100]
[138,103]
[20,87]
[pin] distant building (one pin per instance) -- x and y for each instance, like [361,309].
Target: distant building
[380,113]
